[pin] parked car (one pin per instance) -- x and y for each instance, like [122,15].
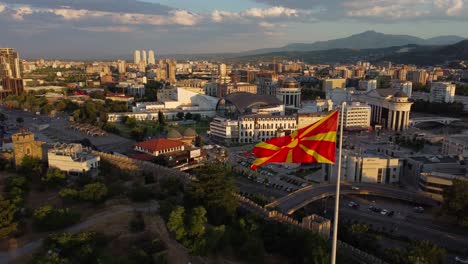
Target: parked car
[391,213]
[353,205]
[384,212]
[418,209]
[355,188]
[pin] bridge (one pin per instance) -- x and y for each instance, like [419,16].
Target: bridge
[302,197]
[437,119]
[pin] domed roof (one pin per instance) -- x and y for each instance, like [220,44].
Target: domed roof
[400,94]
[290,82]
[174,134]
[190,132]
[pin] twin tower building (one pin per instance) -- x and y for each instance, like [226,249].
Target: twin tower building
[141,56]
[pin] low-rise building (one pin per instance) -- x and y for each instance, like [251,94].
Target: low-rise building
[357,116]
[73,158]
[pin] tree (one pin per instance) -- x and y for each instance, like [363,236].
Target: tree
[3,117]
[137,223]
[425,252]
[69,195]
[188,116]
[456,201]
[8,211]
[180,115]
[131,122]
[196,117]
[32,167]
[215,191]
[161,119]
[138,133]
[94,192]
[176,222]
[197,223]
[19,120]
[198,142]
[54,177]
[47,218]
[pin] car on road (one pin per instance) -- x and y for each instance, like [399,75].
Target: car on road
[355,188]
[353,205]
[375,209]
[418,209]
[384,212]
[390,214]
[461,260]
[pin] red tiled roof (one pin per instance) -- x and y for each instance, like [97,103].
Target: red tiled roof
[142,156]
[159,144]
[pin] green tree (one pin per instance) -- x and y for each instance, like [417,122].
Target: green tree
[47,218]
[19,120]
[69,195]
[8,211]
[94,192]
[188,116]
[3,117]
[176,222]
[180,115]
[131,122]
[425,252]
[456,201]
[196,117]
[215,191]
[54,177]
[197,223]
[138,133]
[32,167]
[161,119]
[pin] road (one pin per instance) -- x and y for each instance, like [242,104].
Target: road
[7,256]
[294,201]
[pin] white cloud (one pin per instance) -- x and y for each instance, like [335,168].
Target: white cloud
[451,7]
[182,17]
[108,29]
[266,24]
[20,12]
[275,11]
[2,8]
[219,16]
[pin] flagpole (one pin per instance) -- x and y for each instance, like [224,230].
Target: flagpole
[338,180]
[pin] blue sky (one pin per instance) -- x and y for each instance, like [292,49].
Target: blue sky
[113,28]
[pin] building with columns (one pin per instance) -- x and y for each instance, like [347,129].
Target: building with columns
[389,109]
[290,93]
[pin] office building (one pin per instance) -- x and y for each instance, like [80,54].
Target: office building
[404,86]
[357,116]
[121,66]
[136,57]
[73,158]
[455,145]
[151,58]
[389,108]
[11,86]
[364,167]
[222,70]
[442,92]
[367,85]
[418,76]
[144,58]
[9,64]
[334,84]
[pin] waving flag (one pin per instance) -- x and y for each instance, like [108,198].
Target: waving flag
[312,144]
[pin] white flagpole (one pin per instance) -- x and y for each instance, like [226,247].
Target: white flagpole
[338,179]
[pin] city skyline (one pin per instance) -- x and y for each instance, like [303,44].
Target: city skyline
[67,29]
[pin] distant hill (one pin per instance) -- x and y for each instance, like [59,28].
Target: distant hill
[407,54]
[431,55]
[365,40]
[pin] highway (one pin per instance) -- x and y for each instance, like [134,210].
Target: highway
[300,198]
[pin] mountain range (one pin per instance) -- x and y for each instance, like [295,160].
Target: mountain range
[365,40]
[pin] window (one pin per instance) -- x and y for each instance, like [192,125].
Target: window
[379,175]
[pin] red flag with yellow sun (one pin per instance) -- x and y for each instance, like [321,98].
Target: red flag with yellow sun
[315,143]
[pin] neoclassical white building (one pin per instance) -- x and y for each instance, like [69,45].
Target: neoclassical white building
[290,93]
[389,109]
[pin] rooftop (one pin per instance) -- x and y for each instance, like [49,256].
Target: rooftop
[159,144]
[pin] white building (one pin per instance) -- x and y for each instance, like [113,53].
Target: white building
[389,109]
[356,116]
[319,105]
[72,158]
[151,59]
[455,145]
[290,93]
[136,57]
[404,86]
[368,167]
[367,85]
[144,59]
[442,92]
[222,71]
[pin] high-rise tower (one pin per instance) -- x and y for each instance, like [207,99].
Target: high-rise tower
[136,57]
[9,63]
[151,59]
[144,59]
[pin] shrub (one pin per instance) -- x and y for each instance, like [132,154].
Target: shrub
[141,194]
[94,192]
[137,223]
[47,218]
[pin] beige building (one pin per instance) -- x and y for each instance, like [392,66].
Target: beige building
[24,144]
[73,158]
[334,84]
[365,167]
[290,93]
[356,116]
[9,63]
